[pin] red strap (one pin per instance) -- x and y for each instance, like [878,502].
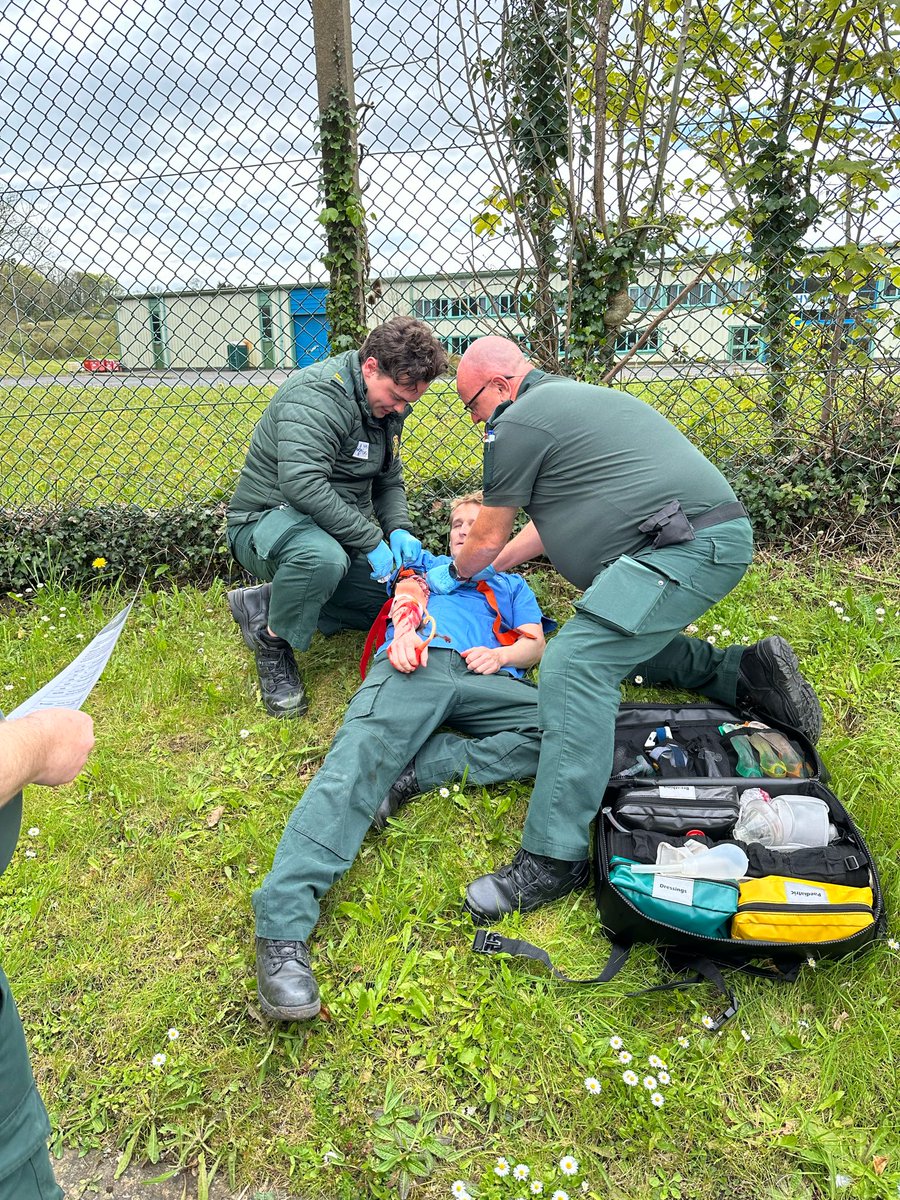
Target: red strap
[506,637]
[375,636]
[377,633]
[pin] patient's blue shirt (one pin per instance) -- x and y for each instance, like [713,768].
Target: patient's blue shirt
[465,619]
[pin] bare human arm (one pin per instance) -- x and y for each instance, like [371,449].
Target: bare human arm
[523,653]
[48,747]
[524,546]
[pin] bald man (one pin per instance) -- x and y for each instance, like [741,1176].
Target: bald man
[628,510]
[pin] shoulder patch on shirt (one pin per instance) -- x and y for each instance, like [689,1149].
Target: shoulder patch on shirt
[362,450]
[337,375]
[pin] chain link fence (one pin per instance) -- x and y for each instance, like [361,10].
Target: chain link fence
[694,204]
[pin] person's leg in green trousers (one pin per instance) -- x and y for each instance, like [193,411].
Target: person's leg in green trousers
[634,609]
[25,1170]
[694,665]
[387,723]
[311,574]
[34,1180]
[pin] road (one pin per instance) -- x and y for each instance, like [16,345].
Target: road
[131,380]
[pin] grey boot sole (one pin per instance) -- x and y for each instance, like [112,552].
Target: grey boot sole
[302,1012]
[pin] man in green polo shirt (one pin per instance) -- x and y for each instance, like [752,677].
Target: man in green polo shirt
[626,508]
[48,747]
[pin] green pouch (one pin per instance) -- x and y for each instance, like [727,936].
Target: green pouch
[624,595]
[701,906]
[273,527]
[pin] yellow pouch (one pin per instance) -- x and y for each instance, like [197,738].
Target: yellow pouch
[778,908]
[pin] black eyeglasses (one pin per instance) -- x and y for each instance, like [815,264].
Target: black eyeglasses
[467,404]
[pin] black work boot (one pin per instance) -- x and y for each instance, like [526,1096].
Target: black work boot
[529,881]
[280,685]
[769,682]
[250,608]
[287,987]
[403,790]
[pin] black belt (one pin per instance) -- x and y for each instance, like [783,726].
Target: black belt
[719,515]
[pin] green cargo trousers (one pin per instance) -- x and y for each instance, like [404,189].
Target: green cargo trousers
[25,1170]
[391,719]
[315,582]
[628,622]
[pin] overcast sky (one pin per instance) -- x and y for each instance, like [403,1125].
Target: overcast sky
[171,142]
[165,141]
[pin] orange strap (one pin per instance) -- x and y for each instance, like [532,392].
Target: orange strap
[506,637]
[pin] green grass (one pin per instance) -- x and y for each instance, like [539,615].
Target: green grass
[153,445]
[134,917]
[156,445]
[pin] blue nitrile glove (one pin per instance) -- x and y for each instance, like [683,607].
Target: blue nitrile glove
[381,561]
[485,575]
[440,581]
[406,548]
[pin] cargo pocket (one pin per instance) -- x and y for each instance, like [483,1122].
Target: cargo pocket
[624,595]
[273,528]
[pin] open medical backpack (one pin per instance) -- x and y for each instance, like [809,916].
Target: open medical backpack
[801,905]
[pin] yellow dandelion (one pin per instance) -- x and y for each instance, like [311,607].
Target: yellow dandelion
[98,564]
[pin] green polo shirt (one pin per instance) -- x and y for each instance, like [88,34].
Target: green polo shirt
[588,465]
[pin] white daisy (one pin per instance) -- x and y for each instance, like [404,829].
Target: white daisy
[664,1077]
[243,733]
[684,1042]
[650,1082]
[29,853]
[536,1187]
[559,1194]
[657,1100]
[624,1057]
[568,1165]
[594,1086]
[630,1078]
[33,831]
[158,1061]
[172,1034]
[616,1042]
[707,1022]
[521,1171]
[655,1061]
[638,679]
[893,944]
[445,793]
[459,1189]
[502,1167]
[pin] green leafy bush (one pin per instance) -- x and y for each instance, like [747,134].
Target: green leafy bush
[62,546]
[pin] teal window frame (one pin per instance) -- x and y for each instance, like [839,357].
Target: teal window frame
[626,339]
[745,344]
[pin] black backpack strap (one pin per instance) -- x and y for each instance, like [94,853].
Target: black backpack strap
[705,971]
[488,942]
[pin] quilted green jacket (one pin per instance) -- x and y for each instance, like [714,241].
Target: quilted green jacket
[318,448]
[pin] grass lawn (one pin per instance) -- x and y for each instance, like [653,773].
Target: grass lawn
[154,445]
[133,919]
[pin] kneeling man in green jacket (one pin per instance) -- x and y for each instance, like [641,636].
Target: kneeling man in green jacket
[323,467]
